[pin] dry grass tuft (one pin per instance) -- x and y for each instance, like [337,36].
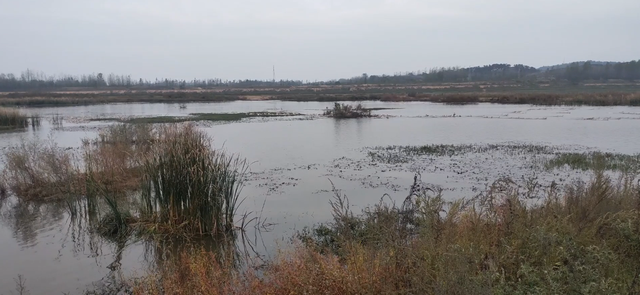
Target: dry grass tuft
[13,119]
[40,171]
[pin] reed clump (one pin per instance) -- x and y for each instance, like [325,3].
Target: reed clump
[37,170]
[12,119]
[344,111]
[115,157]
[187,186]
[585,240]
[167,179]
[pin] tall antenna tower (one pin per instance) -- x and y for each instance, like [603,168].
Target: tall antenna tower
[274,74]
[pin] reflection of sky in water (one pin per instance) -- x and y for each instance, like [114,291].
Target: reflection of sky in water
[293,161]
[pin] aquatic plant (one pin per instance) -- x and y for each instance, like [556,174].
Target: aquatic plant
[596,160]
[11,118]
[343,111]
[39,170]
[114,158]
[188,186]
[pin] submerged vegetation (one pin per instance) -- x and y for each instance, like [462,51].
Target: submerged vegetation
[344,111]
[597,160]
[554,157]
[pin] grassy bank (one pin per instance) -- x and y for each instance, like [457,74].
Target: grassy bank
[585,241]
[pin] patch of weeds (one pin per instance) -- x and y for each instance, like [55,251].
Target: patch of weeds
[345,111]
[596,160]
[404,154]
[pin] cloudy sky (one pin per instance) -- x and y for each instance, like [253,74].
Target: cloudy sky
[308,40]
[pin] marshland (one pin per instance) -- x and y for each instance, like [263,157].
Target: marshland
[250,197]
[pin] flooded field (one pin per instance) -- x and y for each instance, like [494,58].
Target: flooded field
[295,160]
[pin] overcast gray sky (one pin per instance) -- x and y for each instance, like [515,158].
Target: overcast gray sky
[308,40]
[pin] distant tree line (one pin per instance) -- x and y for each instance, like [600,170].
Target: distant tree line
[495,72]
[575,73]
[581,71]
[30,80]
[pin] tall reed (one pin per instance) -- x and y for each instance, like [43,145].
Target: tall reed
[39,170]
[114,158]
[11,118]
[189,186]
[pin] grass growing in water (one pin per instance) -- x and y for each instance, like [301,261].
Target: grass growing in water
[344,111]
[197,117]
[188,186]
[595,160]
[38,171]
[403,154]
[15,119]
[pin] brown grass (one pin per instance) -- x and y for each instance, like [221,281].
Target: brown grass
[11,118]
[39,171]
[460,93]
[586,241]
[36,170]
[591,99]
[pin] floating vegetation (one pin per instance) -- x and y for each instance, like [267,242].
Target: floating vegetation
[596,160]
[404,154]
[197,117]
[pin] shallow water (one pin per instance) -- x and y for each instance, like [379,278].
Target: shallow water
[294,160]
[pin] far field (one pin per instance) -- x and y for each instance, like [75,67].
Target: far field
[599,94]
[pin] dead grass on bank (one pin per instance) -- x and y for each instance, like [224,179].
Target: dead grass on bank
[549,99]
[585,241]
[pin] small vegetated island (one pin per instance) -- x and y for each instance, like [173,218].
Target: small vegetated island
[346,111]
